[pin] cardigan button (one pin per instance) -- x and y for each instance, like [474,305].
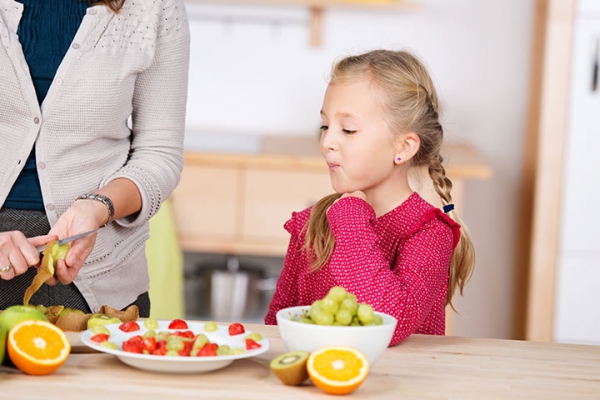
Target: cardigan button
[50,207]
[92,11]
[36,120]
[75,46]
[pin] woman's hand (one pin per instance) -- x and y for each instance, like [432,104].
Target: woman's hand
[82,216]
[19,253]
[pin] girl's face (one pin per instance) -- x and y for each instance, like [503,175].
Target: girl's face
[356,142]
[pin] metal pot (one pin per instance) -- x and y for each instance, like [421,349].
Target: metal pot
[226,292]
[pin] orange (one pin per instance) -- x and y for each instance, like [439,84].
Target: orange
[337,370]
[37,347]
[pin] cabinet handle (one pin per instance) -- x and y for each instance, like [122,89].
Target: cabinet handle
[595,67]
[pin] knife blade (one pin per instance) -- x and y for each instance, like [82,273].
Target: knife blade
[70,238]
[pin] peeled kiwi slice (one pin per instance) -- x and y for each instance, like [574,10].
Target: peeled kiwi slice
[290,367]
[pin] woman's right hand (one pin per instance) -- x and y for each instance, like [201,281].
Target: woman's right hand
[19,253]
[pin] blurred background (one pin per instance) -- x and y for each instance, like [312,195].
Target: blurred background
[258,73]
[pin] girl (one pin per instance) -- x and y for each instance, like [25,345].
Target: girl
[375,236]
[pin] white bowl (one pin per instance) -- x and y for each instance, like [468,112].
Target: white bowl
[371,340]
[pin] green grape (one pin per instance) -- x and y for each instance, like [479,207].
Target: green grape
[365,313]
[335,323]
[337,293]
[378,320]
[254,336]
[162,336]
[172,353]
[329,305]
[150,333]
[175,343]
[344,317]
[315,309]
[324,318]
[349,304]
[109,345]
[306,321]
[351,296]
[210,326]
[100,329]
[200,341]
[236,350]
[223,350]
[151,324]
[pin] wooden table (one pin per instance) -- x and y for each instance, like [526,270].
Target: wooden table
[422,367]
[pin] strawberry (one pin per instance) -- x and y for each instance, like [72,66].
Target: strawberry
[251,344]
[99,338]
[149,344]
[236,329]
[129,326]
[209,350]
[132,347]
[178,324]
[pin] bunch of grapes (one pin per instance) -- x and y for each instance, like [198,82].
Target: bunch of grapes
[340,307]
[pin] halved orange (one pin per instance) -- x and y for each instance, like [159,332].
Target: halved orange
[37,347]
[337,370]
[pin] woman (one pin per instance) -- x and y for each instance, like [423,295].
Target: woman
[93,100]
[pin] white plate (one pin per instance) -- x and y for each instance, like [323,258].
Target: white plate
[176,364]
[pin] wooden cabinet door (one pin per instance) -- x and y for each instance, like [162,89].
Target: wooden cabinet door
[270,197]
[205,205]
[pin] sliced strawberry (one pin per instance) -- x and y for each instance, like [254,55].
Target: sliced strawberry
[236,329]
[178,324]
[99,337]
[132,347]
[251,344]
[129,326]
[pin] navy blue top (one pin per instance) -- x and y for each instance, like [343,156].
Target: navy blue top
[45,31]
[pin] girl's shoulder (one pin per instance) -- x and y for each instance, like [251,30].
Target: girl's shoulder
[416,214]
[298,221]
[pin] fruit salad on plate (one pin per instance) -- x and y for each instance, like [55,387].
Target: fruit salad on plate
[175,345]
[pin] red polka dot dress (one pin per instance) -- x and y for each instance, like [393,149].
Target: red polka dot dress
[398,263]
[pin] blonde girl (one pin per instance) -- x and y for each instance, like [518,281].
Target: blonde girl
[375,236]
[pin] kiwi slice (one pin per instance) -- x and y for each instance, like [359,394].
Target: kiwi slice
[290,367]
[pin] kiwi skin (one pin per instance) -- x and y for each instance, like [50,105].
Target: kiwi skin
[290,367]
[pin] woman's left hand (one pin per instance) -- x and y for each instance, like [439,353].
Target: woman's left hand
[82,216]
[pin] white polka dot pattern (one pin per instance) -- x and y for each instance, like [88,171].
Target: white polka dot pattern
[398,263]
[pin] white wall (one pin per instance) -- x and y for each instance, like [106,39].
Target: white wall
[251,77]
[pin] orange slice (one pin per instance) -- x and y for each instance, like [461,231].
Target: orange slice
[337,370]
[37,347]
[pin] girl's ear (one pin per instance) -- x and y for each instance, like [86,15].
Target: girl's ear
[407,146]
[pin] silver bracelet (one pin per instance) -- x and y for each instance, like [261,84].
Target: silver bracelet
[103,199]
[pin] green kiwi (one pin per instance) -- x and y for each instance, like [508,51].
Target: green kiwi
[290,367]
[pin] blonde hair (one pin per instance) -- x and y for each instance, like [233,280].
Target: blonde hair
[114,5]
[410,104]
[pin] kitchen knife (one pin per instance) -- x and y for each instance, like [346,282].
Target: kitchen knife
[69,239]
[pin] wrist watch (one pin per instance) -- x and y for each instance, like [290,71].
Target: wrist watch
[103,199]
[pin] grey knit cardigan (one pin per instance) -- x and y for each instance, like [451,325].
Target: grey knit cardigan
[116,109]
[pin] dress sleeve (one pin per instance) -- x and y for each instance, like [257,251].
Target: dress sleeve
[406,287]
[286,291]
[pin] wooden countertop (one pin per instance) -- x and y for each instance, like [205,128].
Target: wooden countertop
[422,367]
